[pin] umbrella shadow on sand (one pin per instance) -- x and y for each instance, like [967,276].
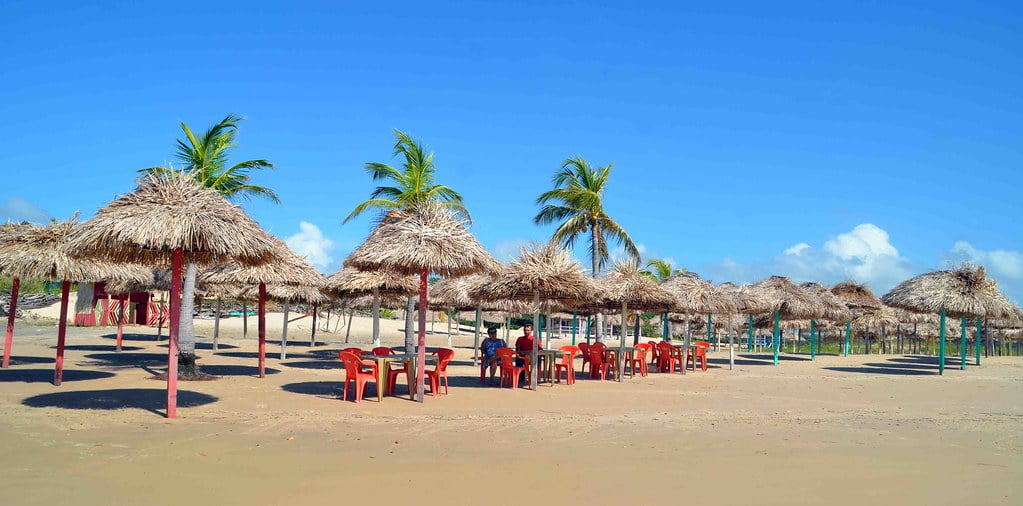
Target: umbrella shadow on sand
[16,360]
[134,337]
[153,400]
[46,375]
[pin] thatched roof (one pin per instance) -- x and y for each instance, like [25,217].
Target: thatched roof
[170,212]
[793,302]
[286,268]
[285,293]
[458,293]
[856,296]
[544,269]
[834,308]
[350,281]
[625,283]
[885,316]
[697,296]
[429,237]
[745,298]
[41,252]
[965,290]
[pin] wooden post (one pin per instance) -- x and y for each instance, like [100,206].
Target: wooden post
[813,340]
[962,343]
[710,328]
[312,334]
[977,341]
[476,337]
[575,326]
[750,334]
[848,337]
[534,368]
[421,348]
[777,336]
[621,343]
[120,320]
[941,343]
[588,324]
[13,310]
[261,328]
[159,318]
[245,320]
[216,325]
[448,314]
[664,327]
[731,343]
[172,334]
[284,333]
[58,372]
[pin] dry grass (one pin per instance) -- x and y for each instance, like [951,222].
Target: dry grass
[42,252]
[167,213]
[964,291]
[429,237]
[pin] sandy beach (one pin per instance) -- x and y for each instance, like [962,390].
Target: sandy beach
[854,430]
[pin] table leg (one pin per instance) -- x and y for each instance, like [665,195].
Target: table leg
[411,379]
[381,374]
[550,370]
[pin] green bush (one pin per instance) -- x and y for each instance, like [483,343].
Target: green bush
[386,313]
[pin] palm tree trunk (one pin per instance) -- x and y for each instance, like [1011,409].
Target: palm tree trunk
[599,334]
[410,335]
[186,327]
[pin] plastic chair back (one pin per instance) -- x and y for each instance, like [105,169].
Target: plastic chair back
[352,362]
[382,350]
[444,356]
[507,357]
[569,353]
[354,351]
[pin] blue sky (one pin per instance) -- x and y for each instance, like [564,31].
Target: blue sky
[871,140]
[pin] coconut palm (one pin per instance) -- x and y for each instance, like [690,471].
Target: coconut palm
[205,157]
[413,184]
[660,269]
[577,203]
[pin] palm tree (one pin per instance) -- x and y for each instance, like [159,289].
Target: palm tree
[577,202]
[413,184]
[660,269]
[205,157]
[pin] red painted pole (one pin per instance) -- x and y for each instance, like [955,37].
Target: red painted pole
[421,349]
[58,373]
[172,335]
[120,323]
[262,330]
[9,340]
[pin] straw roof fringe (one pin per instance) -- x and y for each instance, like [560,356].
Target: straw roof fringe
[169,212]
[697,296]
[286,268]
[41,252]
[349,281]
[745,298]
[856,296]
[884,316]
[964,291]
[625,283]
[429,237]
[834,308]
[544,269]
[793,302]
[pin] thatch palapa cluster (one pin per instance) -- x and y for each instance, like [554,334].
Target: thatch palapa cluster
[964,291]
[791,301]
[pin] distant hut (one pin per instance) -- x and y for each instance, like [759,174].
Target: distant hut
[788,302]
[350,282]
[626,286]
[835,310]
[747,302]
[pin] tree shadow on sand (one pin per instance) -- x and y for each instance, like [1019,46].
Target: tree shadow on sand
[153,400]
[208,346]
[16,360]
[128,359]
[235,370]
[315,364]
[46,375]
[99,347]
[330,390]
[135,337]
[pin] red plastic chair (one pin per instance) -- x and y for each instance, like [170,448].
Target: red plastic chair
[355,373]
[444,356]
[584,348]
[509,370]
[654,354]
[599,345]
[567,364]
[639,359]
[699,352]
[355,351]
[601,364]
[666,358]
[382,351]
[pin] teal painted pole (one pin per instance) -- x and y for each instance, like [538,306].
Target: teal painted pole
[941,344]
[848,337]
[749,342]
[813,340]
[962,344]
[575,326]
[777,337]
[710,327]
[664,332]
[976,342]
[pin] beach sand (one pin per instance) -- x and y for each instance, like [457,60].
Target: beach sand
[853,430]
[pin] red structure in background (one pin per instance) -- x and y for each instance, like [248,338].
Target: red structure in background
[111,309]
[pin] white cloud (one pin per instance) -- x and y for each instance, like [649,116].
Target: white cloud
[310,243]
[797,249]
[864,254]
[1000,263]
[505,251]
[17,209]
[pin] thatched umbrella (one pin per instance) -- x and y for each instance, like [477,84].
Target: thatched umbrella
[747,302]
[172,217]
[40,252]
[694,295]
[624,286]
[351,282]
[965,292]
[546,275]
[309,294]
[9,231]
[286,269]
[788,301]
[428,238]
[834,310]
[457,293]
[860,300]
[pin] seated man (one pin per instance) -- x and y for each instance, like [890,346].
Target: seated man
[488,349]
[524,345]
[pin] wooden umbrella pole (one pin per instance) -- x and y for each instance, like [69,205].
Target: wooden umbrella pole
[575,326]
[813,340]
[58,373]
[376,316]
[312,333]
[476,338]
[421,348]
[941,343]
[261,328]
[665,336]
[216,325]
[848,337]
[448,315]
[962,343]
[11,311]
[750,331]
[777,335]
[731,343]
[120,322]
[245,320]
[284,333]
[976,342]
[621,342]
[172,334]
[533,366]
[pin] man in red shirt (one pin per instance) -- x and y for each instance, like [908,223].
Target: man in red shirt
[524,346]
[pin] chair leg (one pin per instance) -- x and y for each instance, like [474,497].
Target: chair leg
[344,396]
